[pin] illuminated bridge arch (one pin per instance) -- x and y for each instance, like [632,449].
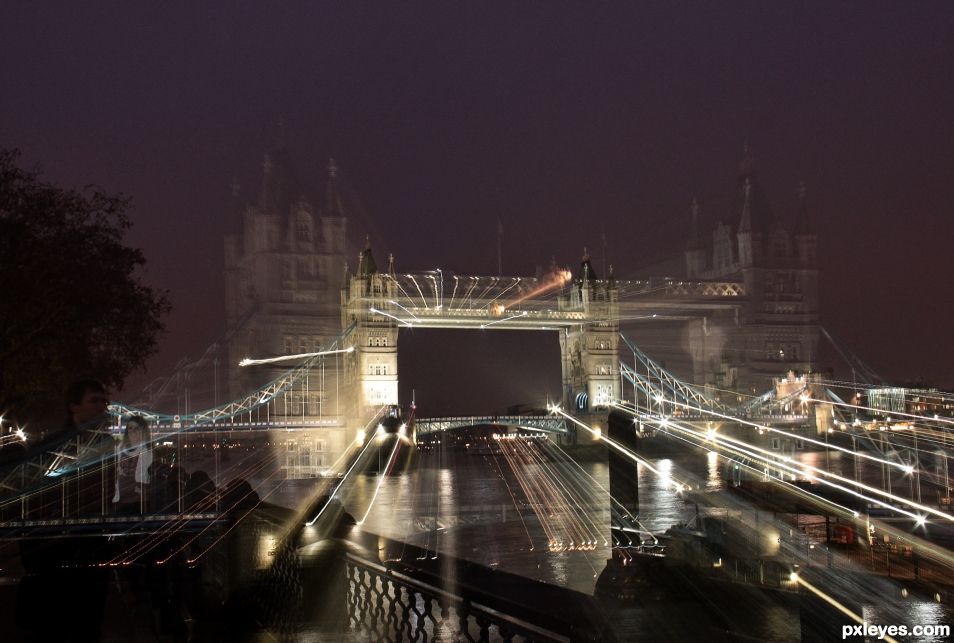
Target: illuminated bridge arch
[547,423]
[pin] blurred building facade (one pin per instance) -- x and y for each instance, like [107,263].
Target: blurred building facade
[776,329]
[284,263]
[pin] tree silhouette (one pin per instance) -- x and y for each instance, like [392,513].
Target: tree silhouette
[72,302]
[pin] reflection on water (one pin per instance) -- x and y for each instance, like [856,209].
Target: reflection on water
[483,508]
[474,507]
[714,480]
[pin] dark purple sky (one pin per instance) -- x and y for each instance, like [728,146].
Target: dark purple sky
[447,116]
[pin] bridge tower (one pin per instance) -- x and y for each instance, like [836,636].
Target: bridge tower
[371,370]
[589,349]
[283,262]
[776,328]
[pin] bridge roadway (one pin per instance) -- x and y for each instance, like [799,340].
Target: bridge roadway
[430,301]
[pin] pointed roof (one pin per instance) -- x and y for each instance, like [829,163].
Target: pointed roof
[366,263]
[745,224]
[280,186]
[333,206]
[803,225]
[695,242]
[586,268]
[751,209]
[747,164]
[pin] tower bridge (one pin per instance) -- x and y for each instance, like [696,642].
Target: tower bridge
[749,310]
[585,311]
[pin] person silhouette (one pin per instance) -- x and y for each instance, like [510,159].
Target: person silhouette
[133,462]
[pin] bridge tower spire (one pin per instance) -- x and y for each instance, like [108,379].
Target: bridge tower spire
[806,240]
[695,249]
[371,367]
[333,206]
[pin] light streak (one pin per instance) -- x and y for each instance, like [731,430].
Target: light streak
[622,507]
[382,477]
[555,279]
[367,446]
[500,321]
[834,603]
[416,318]
[888,413]
[569,492]
[416,285]
[535,495]
[797,490]
[787,434]
[516,280]
[454,293]
[350,469]
[270,360]
[513,499]
[215,542]
[784,464]
[381,312]
[169,529]
[677,485]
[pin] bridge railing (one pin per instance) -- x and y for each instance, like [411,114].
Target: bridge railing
[389,605]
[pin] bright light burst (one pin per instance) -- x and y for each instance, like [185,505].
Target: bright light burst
[284,358]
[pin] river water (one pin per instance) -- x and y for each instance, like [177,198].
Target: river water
[527,508]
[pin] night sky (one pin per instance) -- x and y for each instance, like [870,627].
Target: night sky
[559,120]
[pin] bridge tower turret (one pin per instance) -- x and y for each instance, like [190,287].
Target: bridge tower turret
[371,369]
[695,249]
[589,349]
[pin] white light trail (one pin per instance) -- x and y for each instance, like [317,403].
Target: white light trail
[382,476]
[724,416]
[786,463]
[500,321]
[381,312]
[374,418]
[890,413]
[416,318]
[248,361]
[416,285]
[343,478]
[454,293]
[834,603]
[677,484]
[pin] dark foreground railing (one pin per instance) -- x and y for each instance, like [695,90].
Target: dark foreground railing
[390,606]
